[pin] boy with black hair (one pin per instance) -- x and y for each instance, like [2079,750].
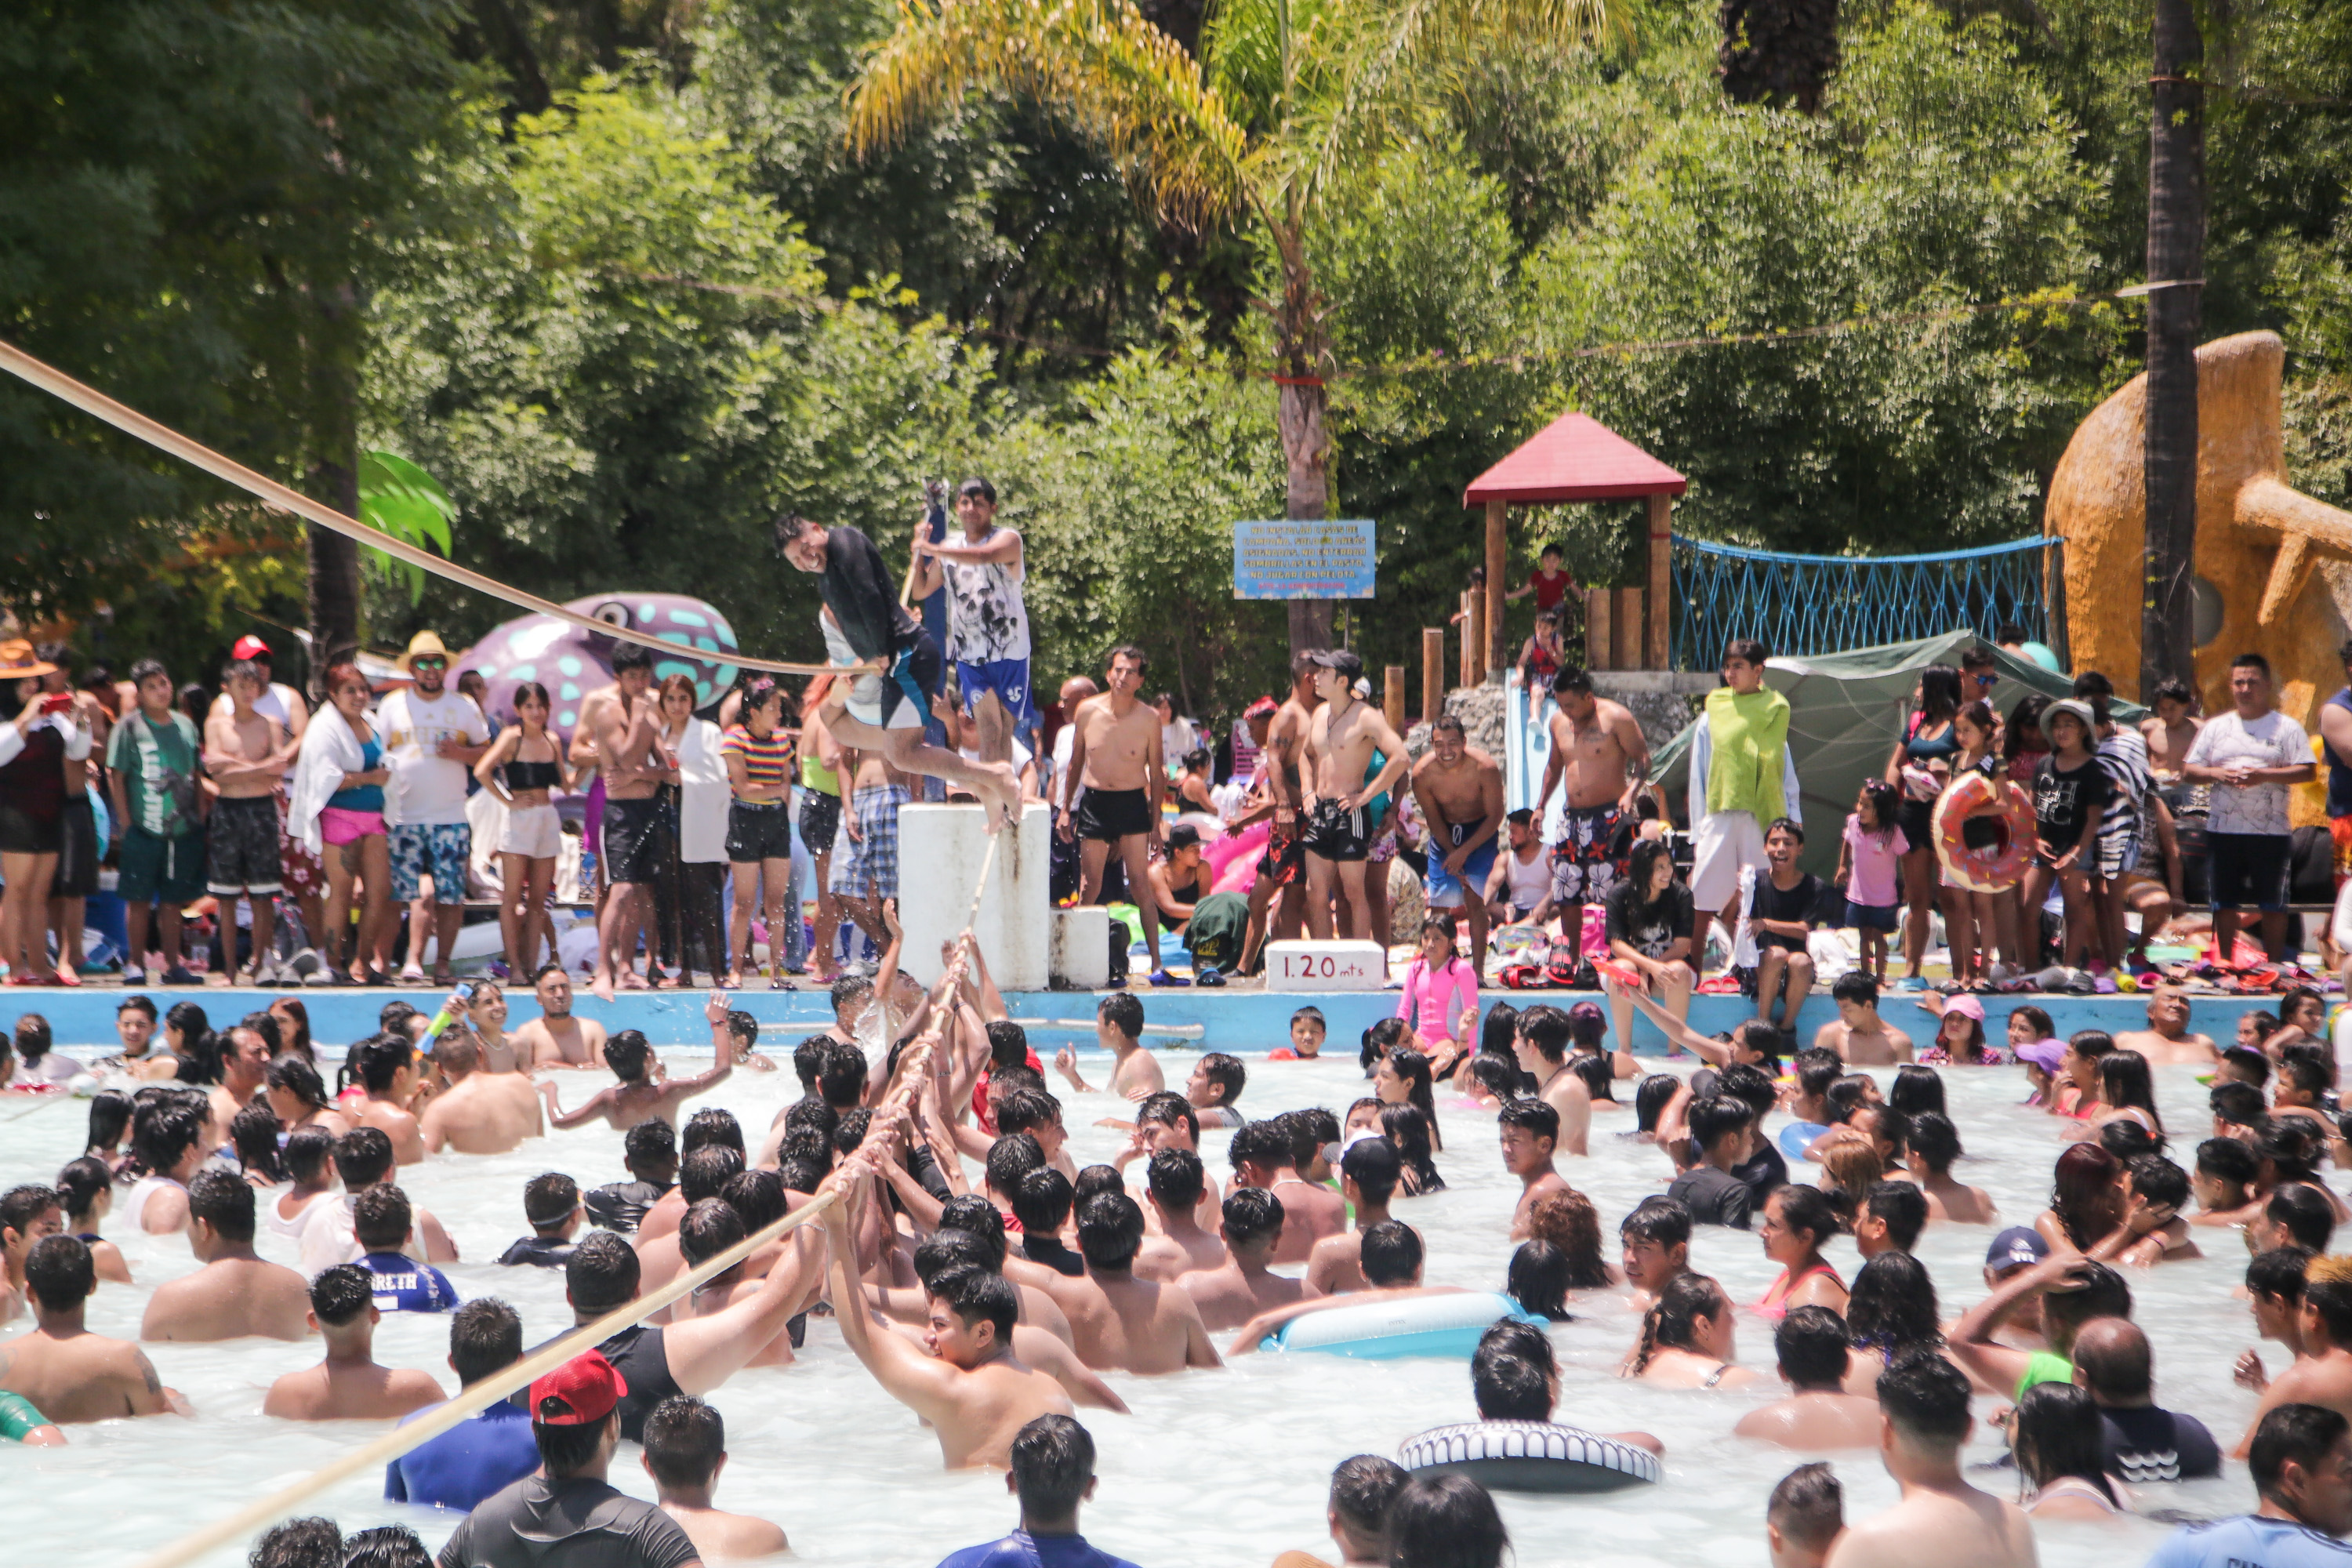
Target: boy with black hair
[1174,1182]
[1515,1376]
[808,1056]
[686,1447]
[1361,1489]
[1778,918]
[1540,1040]
[2274,1295]
[1858,1035]
[1369,1173]
[1119,1027]
[1264,1156]
[636,1098]
[1655,1240]
[1042,1203]
[348,1385]
[1527,1130]
[489,1451]
[1930,1147]
[237,1292]
[1815,1069]
[552,1204]
[841,1079]
[1307,1032]
[380,1219]
[1891,1217]
[650,1154]
[737,1033]
[2301,1456]
[1711,1194]
[1121,1323]
[1231,1293]
[1167,1120]
[1818,1415]
[2239,1110]
[1039,1114]
[1011,1158]
[1942,1520]
[1214,1087]
[1805,1517]
[1052,1472]
[2322,1373]
[67,1373]
[1760,1166]
[364,1158]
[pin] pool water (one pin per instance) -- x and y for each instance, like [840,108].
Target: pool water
[1212,1468]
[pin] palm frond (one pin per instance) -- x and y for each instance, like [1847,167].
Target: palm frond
[1097,63]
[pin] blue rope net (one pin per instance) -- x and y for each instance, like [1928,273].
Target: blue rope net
[1828,603]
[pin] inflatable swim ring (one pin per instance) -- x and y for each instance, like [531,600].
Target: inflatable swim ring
[1529,1457]
[1447,1325]
[1996,866]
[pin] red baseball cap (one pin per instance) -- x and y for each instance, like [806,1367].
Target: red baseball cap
[580,1392]
[1262,705]
[249,646]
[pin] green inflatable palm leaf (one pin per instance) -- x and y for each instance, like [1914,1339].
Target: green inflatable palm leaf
[400,499]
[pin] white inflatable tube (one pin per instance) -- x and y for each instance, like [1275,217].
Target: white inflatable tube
[1448,1325]
[1529,1457]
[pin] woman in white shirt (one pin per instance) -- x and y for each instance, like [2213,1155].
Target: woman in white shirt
[1176,737]
[692,926]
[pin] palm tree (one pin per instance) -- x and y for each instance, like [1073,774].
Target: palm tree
[2176,260]
[1255,132]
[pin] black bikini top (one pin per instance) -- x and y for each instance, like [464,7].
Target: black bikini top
[521,775]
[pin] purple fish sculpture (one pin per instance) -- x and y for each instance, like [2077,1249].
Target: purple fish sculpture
[571,662]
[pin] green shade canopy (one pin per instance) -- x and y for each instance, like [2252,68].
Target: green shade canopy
[1847,710]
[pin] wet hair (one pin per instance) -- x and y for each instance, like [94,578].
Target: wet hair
[1042,1202]
[1390,1254]
[549,1199]
[1025,1110]
[1168,1109]
[712,1124]
[567,1449]
[1384,1036]
[1123,1011]
[2303,1211]
[296,1076]
[2124,1081]
[1599,1076]
[810,1113]
[163,1133]
[1935,1139]
[1808,1507]
[1751,1086]
[1892,1309]
[307,1152]
[1534,1117]
[651,1143]
[1375,1166]
[602,1272]
[1362,1487]
[300,1544]
[1650,1099]
[841,1079]
[485,1337]
[1176,1180]
[1804,1208]
[1053,1460]
[944,1249]
[253,1132]
[2237,1104]
[1410,1128]
[849,1132]
[339,1295]
[627,1053]
[1672,1321]
[78,1186]
[701,1173]
[1093,1182]
[1538,1280]
[1227,1072]
[1926,1398]
[1659,1220]
[2303,1434]
[1110,1232]
[20,1206]
[2291,1145]
[758,1196]
[1812,1343]
[1548,1029]
[1716,1116]
[1499,1075]
[385,1546]
[2250,1065]
[1010,1158]
[969,1213]
[1511,1374]
[1008,1044]
[708,1227]
[222,1201]
[1902,1209]
[110,1117]
[2056,1435]
[2278,1273]
[685,1439]
[2067,1306]
[1496,1031]
[381,1217]
[2082,1183]
[1445,1521]
[1567,1220]
[1250,1214]
[1915,1090]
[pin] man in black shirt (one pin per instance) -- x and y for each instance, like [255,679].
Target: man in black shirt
[883,707]
[1780,912]
[1718,1125]
[1042,1203]
[2139,1443]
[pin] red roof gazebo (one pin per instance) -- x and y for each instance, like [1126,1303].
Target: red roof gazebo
[1578,458]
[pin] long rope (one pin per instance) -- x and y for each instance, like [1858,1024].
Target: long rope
[92,401]
[913,1065]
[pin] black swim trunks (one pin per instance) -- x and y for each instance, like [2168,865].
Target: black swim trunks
[820,820]
[241,846]
[1335,832]
[632,841]
[1111,815]
[756,832]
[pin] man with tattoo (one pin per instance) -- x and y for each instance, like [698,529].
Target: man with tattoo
[68,1373]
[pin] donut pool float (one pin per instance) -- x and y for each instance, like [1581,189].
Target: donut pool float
[1529,1457]
[2006,827]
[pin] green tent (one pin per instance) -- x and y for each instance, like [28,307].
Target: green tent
[1846,712]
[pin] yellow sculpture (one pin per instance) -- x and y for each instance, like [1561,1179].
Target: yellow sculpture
[2257,539]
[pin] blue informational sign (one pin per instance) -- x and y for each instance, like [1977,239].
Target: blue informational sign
[1303,560]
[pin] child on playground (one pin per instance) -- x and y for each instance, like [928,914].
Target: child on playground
[1868,857]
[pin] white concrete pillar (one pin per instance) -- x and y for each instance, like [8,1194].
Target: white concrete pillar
[940,850]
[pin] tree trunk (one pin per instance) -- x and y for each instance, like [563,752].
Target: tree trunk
[333,479]
[1302,352]
[2176,255]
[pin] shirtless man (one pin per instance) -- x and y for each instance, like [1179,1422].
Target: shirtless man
[637,1097]
[1528,1130]
[1116,760]
[480,1112]
[2167,1038]
[1391,1257]
[349,1384]
[27,1214]
[1460,791]
[972,1388]
[2321,1374]
[1174,1184]
[2173,729]
[387,1072]
[237,1292]
[1264,1156]
[556,1038]
[1858,1035]
[1119,1027]
[1338,832]
[1233,1292]
[244,1070]
[66,1371]
[245,754]
[1942,1520]
[1598,753]
[883,707]
[1282,870]
[1818,1416]
[629,754]
[1368,1173]
[1541,1042]
[1121,1323]
[686,1447]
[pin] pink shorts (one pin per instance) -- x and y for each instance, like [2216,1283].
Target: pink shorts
[337,826]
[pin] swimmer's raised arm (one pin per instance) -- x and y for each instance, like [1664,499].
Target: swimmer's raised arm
[704,1353]
[598,1104]
[911,1377]
[1714,1052]
[1996,1365]
[1065,1062]
[986,997]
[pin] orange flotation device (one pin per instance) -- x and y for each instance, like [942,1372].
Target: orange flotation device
[1995,813]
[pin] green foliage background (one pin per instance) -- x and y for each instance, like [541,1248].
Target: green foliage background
[610,276]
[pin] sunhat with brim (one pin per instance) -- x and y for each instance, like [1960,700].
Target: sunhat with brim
[424,643]
[2079,711]
[17,663]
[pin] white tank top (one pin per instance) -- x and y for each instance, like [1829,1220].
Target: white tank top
[291,1228]
[134,1202]
[990,620]
[1530,883]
